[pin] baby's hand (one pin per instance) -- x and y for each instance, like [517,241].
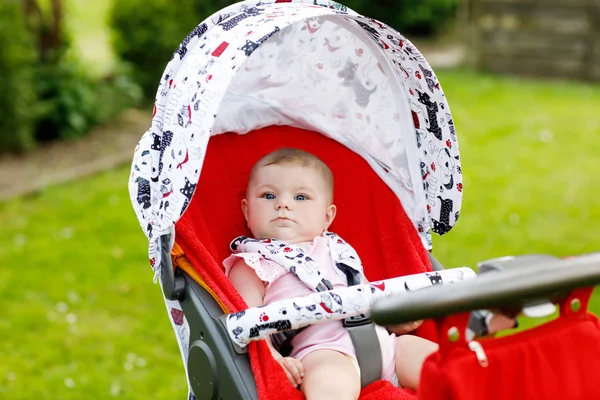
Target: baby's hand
[404,328]
[293,369]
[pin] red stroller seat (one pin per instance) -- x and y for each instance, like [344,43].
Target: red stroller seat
[370,216]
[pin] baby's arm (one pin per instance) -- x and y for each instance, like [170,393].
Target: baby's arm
[247,283]
[252,290]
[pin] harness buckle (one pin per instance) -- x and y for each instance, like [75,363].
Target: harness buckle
[358,320]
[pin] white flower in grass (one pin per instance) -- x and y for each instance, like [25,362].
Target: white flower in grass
[115,389]
[73,296]
[140,362]
[129,361]
[62,307]
[71,318]
[117,253]
[70,383]
[20,240]
[546,135]
[67,232]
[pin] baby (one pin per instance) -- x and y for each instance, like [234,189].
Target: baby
[290,198]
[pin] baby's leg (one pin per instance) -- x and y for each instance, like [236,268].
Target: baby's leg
[329,374]
[411,352]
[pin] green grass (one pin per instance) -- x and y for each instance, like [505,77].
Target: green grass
[81,318]
[529,155]
[530,159]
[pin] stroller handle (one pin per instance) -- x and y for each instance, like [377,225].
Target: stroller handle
[511,289]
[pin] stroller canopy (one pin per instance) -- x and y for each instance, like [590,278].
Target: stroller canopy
[314,65]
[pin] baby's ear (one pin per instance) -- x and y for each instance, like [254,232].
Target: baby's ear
[245,208]
[330,215]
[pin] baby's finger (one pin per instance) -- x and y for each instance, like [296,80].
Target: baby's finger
[290,377]
[300,367]
[292,366]
[416,324]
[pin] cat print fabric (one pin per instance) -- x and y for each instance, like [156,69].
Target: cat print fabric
[389,106]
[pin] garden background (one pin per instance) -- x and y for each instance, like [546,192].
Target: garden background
[79,315]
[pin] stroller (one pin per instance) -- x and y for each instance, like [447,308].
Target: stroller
[260,75]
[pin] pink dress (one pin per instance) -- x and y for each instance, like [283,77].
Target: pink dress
[280,284]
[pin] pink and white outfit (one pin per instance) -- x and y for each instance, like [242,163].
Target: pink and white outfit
[281,284]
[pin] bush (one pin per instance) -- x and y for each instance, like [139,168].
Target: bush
[205,9]
[410,17]
[147,33]
[45,93]
[68,101]
[17,93]
[427,17]
[73,101]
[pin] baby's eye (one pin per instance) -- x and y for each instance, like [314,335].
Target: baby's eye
[268,196]
[300,197]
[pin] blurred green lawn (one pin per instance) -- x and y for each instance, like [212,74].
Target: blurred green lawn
[81,318]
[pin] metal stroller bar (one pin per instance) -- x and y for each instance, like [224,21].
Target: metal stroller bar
[511,289]
[173,284]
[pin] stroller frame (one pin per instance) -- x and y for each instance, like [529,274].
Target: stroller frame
[216,368]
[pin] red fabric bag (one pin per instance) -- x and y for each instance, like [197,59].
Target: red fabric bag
[557,360]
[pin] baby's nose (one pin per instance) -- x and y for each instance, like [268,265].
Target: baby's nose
[282,203]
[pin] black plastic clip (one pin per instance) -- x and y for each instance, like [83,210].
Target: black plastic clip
[357,320]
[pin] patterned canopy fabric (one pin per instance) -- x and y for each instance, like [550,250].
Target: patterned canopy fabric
[311,64]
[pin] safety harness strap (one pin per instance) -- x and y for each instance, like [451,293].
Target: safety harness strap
[294,260]
[366,345]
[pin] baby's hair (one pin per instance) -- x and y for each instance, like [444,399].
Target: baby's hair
[296,157]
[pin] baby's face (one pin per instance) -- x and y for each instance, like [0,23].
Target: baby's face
[288,202]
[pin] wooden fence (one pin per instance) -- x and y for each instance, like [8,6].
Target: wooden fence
[558,38]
